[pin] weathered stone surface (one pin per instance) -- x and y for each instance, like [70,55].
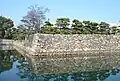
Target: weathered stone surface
[47,43]
[88,42]
[6,44]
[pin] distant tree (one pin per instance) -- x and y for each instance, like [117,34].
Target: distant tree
[114,30]
[5,26]
[77,27]
[49,30]
[118,29]
[21,32]
[93,27]
[63,23]
[86,23]
[76,24]
[35,18]
[47,23]
[87,27]
[104,28]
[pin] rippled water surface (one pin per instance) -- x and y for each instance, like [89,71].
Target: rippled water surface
[17,67]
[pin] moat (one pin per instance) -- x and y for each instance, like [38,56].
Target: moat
[19,67]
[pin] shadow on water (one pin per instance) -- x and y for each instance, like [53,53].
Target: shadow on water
[59,69]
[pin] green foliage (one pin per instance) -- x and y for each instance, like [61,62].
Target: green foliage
[34,22]
[63,23]
[5,27]
[5,61]
[65,31]
[31,24]
[93,27]
[47,23]
[115,30]
[77,27]
[104,28]
[49,30]
[76,24]
[16,33]
[8,34]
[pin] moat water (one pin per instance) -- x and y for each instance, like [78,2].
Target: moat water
[17,67]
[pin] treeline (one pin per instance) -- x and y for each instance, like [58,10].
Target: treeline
[35,22]
[63,26]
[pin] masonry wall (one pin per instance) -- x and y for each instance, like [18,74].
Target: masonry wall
[75,43]
[6,44]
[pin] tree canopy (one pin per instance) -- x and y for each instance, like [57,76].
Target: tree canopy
[5,27]
[35,18]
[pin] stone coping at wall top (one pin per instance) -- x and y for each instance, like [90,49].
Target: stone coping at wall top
[77,34]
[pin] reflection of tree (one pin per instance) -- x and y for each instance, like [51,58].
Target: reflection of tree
[81,76]
[6,59]
[23,68]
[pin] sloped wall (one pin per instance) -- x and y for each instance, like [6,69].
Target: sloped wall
[73,43]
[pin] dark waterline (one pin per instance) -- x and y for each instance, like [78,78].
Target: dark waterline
[15,67]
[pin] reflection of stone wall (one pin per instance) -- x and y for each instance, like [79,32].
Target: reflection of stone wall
[60,43]
[75,64]
[6,47]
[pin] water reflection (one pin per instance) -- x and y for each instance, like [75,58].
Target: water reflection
[6,60]
[9,60]
[67,68]
[57,65]
[80,68]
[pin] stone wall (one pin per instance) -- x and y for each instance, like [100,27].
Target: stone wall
[75,43]
[24,49]
[6,44]
[48,44]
